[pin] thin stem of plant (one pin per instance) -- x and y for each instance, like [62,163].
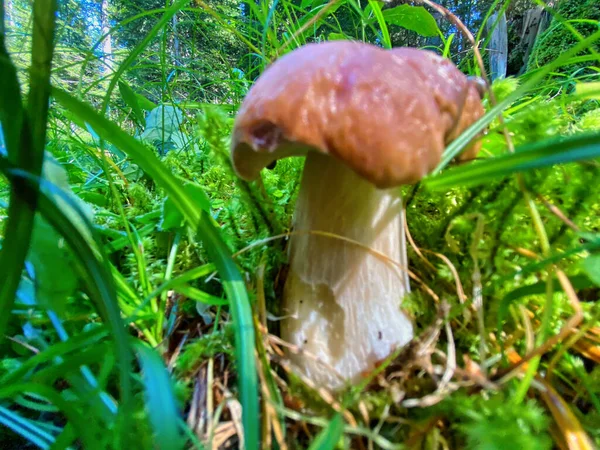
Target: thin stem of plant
[557,212]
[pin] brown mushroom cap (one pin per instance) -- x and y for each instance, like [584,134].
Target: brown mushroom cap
[387,114]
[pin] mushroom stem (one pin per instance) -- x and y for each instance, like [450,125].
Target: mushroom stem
[342,301]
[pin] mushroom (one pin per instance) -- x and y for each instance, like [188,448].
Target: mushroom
[367,120]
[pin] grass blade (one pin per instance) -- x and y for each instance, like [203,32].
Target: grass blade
[199,220]
[161,404]
[470,134]
[27,151]
[329,437]
[539,288]
[385,34]
[63,348]
[25,428]
[540,154]
[73,415]
[142,156]
[540,265]
[200,296]
[97,279]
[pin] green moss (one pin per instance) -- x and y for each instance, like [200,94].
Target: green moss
[558,38]
[590,121]
[497,423]
[203,348]
[141,200]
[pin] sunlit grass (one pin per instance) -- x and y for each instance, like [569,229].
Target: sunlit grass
[167,268]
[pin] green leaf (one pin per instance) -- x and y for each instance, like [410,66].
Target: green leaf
[56,174]
[414,18]
[162,129]
[532,156]
[164,118]
[57,281]
[95,198]
[73,414]
[132,100]
[11,107]
[200,296]
[171,217]
[591,266]
[161,404]
[329,436]
[145,104]
[53,263]
[593,238]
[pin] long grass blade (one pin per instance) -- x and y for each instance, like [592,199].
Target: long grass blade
[329,436]
[73,415]
[98,281]
[161,404]
[199,220]
[385,33]
[540,154]
[25,428]
[75,343]
[26,150]
[471,133]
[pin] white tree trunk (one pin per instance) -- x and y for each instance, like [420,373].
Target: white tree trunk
[536,21]
[174,22]
[107,42]
[498,46]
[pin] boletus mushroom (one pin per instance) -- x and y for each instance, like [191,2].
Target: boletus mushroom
[367,120]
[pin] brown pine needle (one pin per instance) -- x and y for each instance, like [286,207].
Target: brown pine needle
[558,213]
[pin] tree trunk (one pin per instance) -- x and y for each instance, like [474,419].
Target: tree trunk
[107,42]
[536,21]
[174,22]
[498,46]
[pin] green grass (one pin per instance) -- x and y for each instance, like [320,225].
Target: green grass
[134,263]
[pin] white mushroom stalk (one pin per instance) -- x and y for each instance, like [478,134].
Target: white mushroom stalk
[368,120]
[343,300]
